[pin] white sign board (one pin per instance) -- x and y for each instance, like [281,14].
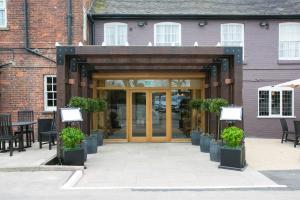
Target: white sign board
[231,114]
[71,115]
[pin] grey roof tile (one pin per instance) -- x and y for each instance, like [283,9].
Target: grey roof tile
[196,7]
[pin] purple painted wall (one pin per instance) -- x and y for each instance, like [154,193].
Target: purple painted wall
[261,66]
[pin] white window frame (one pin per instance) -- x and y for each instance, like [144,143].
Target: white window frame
[279,40]
[243,35]
[46,107]
[271,89]
[115,24]
[167,23]
[5,14]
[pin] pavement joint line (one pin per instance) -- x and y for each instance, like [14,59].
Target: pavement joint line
[66,187]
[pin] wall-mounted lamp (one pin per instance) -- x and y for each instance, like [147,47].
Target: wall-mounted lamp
[264,24]
[202,23]
[141,23]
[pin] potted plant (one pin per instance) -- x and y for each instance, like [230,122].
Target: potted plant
[233,152]
[215,144]
[205,138]
[196,104]
[97,105]
[89,106]
[73,154]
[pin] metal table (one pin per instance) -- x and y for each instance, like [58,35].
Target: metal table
[22,125]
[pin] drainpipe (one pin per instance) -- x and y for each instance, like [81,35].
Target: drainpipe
[92,22]
[69,21]
[26,34]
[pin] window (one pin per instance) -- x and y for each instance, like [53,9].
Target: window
[115,34]
[275,102]
[167,34]
[232,34]
[50,92]
[3,20]
[289,41]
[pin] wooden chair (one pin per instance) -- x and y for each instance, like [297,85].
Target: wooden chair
[6,132]
[47,131]
[297,132]
[285,131]
[27,116]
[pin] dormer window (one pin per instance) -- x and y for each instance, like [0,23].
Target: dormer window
[115,34]
[167,34]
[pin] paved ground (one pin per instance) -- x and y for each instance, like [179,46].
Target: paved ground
[270,154]
[162,165]
[32,157]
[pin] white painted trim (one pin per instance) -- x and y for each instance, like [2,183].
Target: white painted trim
[167,23]
[279,36]
[73,180]
[114,24]
[5,15]
[48,108]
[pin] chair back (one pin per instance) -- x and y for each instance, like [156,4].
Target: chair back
[25,116]
[53,123]
[5,126]
[297,127]
[44,125]
[284,125]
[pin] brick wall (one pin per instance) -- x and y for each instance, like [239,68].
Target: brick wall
[21,82]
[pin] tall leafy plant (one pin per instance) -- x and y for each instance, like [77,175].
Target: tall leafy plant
[197,105]
[215,106]
[206,107]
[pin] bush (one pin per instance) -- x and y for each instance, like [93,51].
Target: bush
[87,104]
[71,136]
[196,104]
[233,136]
[215,105]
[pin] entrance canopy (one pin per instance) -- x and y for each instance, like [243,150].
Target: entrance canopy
[80,70]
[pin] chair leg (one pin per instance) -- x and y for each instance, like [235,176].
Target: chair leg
[32,136]
[286,137]
[49,140]
[282,137]
[11,148]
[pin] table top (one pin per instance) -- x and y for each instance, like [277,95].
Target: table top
[23,123]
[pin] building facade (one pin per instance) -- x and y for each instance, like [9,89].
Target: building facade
[268,35]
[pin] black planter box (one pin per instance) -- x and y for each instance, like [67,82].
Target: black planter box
[195,136]
[232,158]
[204,143]
[73,157]
[92,144]
[214,150]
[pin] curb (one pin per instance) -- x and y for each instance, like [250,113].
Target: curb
[42,168]
[73,180]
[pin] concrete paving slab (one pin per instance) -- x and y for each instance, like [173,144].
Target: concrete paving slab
[32,157]
[162,165]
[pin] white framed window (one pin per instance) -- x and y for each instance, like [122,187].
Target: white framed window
[115,34]
[289,41]
[232,34]
[3,14]
[50,97]
[275,102]
[167,34]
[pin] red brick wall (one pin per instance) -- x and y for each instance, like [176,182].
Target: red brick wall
[21,83]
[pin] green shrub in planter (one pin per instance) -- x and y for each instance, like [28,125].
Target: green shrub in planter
[197,105]
[73,154]
[215,106]
[232,154]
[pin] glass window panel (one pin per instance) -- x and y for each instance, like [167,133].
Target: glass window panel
[232,34]
[49,87]
[115,83]
[50,95]
[115,34]
[139,114]
[2,17]
[289,40]
[113,119]
[181,113]
[287,103]
[186,83]
[167,34]
[263,103]
[275,102]
[148,83]
[50,102]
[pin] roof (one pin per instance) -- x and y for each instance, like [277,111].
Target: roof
[196,7]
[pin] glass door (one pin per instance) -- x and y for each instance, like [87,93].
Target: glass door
[158,120]
[139,115]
